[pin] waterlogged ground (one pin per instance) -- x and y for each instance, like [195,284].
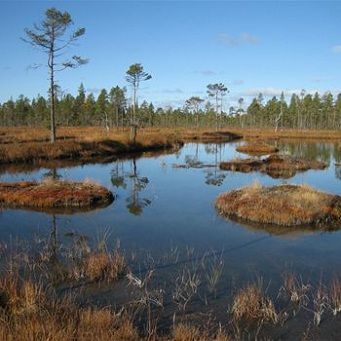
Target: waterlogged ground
[164,217]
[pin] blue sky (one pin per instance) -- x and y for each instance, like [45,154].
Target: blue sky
[251,46]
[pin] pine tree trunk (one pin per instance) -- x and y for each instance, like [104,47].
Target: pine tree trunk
[52,90]
[216,112]
[53,105]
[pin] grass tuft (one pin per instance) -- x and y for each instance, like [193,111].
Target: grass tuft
[335,296]
[105,266]
[250,304]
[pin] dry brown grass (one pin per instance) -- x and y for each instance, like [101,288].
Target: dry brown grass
[296,291]
[18,145]
[251,304]
[22,135]
[335,296]
[275,165]
[31,145]
[52,193]
[187,332]
[104,324]
[258,148]
[208,136]
[30,309]
[19,298]
[68,323]
[287,205]
[36,134]
[105,266]
[30,312]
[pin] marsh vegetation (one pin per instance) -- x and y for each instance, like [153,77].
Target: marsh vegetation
[151,266]
[46,292]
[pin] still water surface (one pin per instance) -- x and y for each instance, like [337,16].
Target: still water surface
[160,208]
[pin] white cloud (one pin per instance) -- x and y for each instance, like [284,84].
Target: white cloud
[321,79]
[206,72]
[93,90]
[168,103]
[336,49]
[270,92]
[249,38]
[227,39]
[243,38]
[172,91]
[238,82]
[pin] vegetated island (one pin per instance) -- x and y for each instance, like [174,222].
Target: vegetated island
[54,194]
[285,205]
[276,166]
[258,148]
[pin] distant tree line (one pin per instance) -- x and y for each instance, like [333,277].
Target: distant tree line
[111,108]
[303,111]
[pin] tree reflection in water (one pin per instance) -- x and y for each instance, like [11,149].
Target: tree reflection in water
[51,254]
[52,174]
[214,176]
[310,150]
[338,171]
[133,183]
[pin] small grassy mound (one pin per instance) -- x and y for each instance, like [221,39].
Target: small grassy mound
[53,194]
[275,165]
[287,205]
[219,136]
[210,136]
[257,149]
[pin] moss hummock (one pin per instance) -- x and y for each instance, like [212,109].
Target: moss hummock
[53,194]
[286,205]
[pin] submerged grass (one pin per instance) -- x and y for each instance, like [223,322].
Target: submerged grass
[251,304]
[33,312]
[335,296]
[287,205]
[53,193]
[105,266]
[188,332]
[32,308]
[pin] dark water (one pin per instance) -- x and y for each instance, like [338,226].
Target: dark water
[164,210]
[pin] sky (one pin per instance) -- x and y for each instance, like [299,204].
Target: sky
[250,46]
